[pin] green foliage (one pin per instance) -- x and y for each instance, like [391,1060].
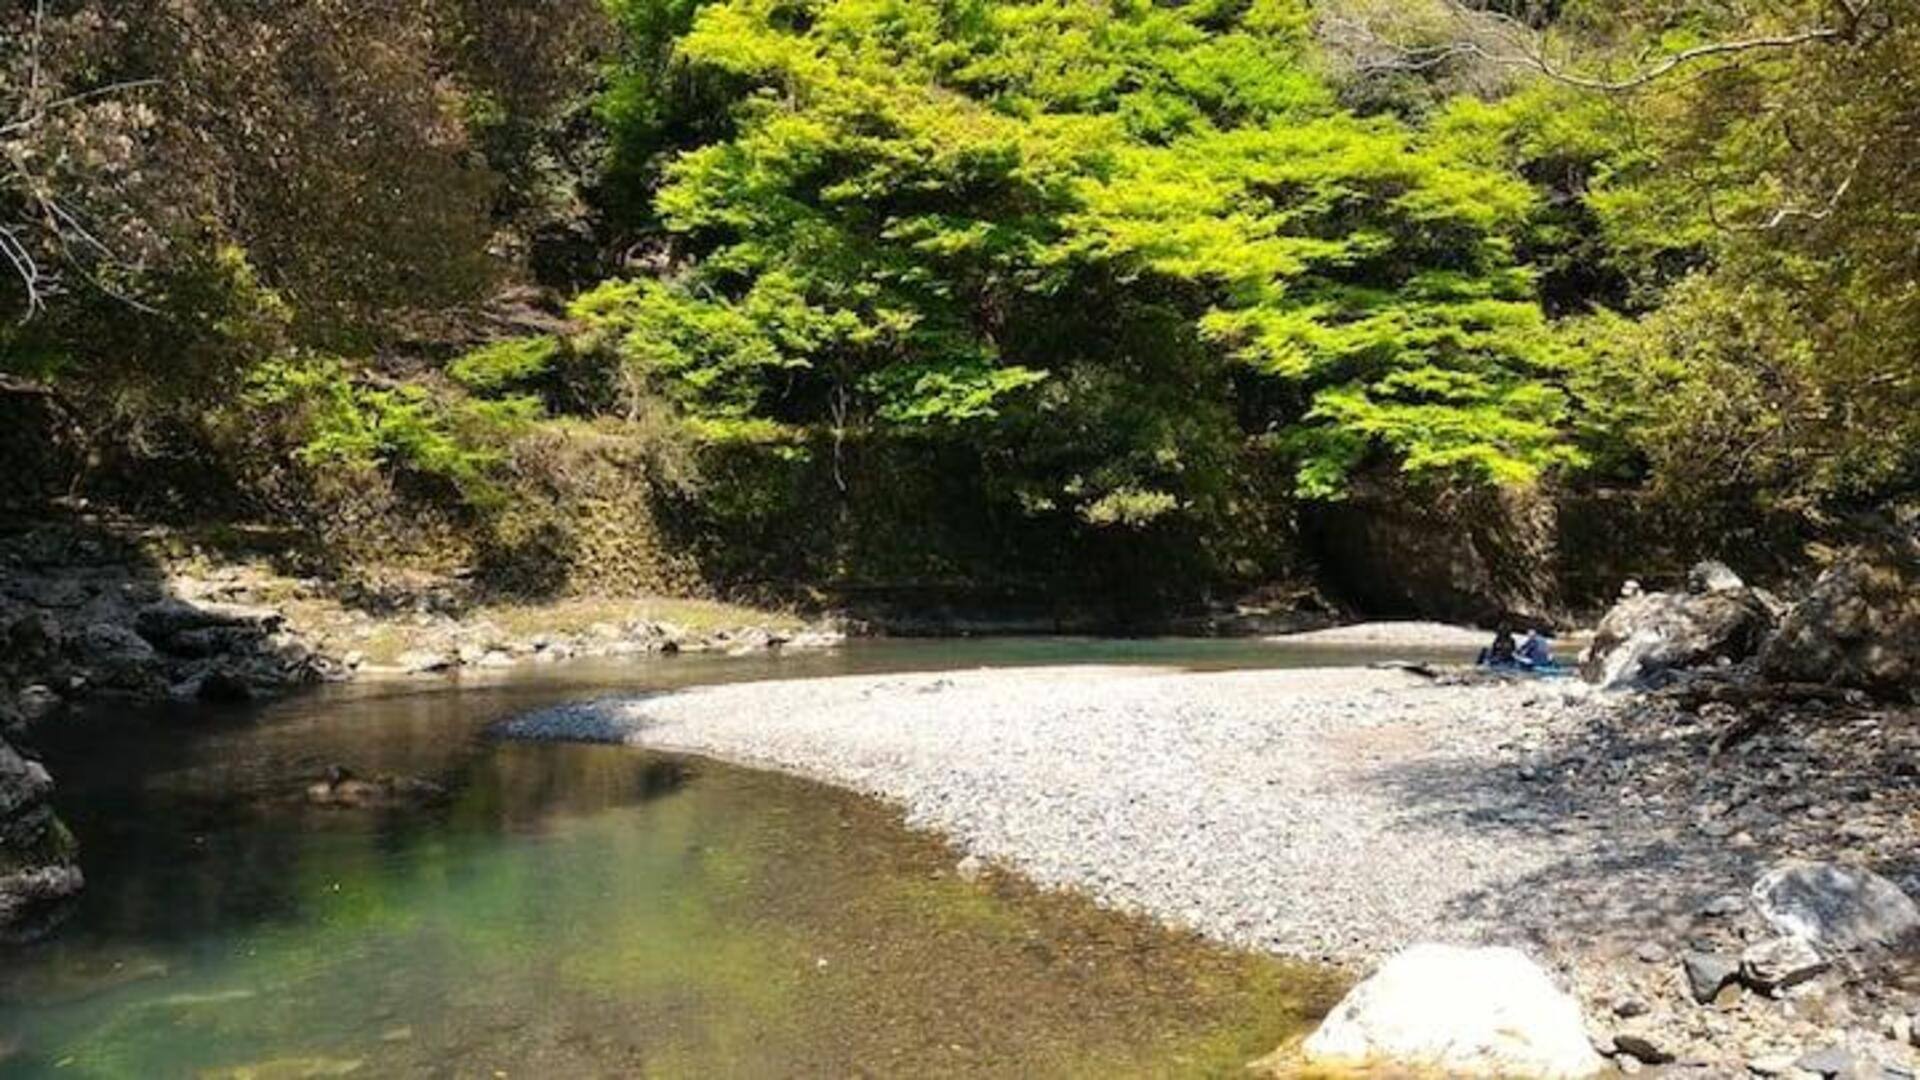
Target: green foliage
[913,195]
[515,364]
[343,423]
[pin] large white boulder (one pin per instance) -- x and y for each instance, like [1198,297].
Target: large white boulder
[1461,1012]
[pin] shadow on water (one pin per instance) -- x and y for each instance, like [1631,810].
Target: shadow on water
[573,910]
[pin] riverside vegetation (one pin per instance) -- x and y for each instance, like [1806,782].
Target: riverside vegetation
[1117,300]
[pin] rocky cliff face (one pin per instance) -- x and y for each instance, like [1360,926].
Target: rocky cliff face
[1481,556]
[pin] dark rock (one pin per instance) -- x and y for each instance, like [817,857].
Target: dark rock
[1641,1048]
[1836,907]
[38,875]
[223,685]
[1859,626]
[212,641]
[118,658]
[1708,974]
[1779,963]
[168,619]
[1484,556]
[1648,635]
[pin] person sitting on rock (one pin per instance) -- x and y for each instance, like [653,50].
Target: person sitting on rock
[1535,652]
[1501,653]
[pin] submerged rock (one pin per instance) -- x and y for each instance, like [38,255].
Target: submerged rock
[1836,907]
[341,789]
[1459,1011]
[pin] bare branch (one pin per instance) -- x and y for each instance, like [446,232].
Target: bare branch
[71,100]
[1789,213]
[1538,62]
[25,268]
[1502,40]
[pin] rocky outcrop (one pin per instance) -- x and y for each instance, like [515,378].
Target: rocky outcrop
[84,611]
[1459,1012]
[1649,634]
[38,874]
[1859,626]
[1484,556]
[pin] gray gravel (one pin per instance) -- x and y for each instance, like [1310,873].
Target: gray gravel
[1271,809]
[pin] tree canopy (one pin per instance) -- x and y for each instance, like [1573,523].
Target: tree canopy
[1126,268]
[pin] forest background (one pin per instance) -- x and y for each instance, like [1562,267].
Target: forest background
[1140,302]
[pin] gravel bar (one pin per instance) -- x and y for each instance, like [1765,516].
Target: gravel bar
[1326,814]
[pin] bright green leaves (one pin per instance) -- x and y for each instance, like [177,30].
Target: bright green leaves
[344,421]
[715,357]
[514,364]
[914,195]
[947,395]
[1371,269]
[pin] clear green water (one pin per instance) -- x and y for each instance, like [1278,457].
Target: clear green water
[584,911]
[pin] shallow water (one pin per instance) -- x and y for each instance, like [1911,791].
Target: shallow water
[581,911]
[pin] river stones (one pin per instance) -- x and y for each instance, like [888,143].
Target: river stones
[1461,1011]
[1779,963]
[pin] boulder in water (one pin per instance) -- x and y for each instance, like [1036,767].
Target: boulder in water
[340,789]
[1459,1012]
[38,875]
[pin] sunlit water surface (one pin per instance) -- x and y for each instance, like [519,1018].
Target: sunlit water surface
[585,911]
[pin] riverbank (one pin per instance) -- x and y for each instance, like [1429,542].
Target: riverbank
[1341,814]
[93,607]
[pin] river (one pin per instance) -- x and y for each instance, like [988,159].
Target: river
[583,911]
